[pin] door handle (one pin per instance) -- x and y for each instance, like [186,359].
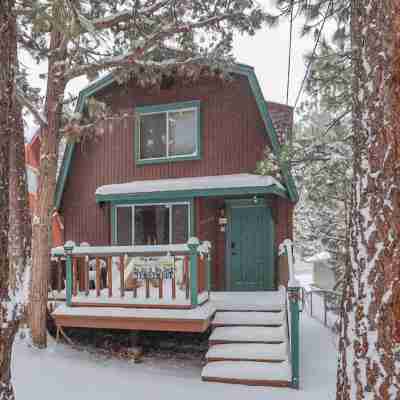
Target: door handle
[233,245]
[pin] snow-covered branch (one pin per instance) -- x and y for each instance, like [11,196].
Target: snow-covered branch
[24,101]
[127,60]
[125,16]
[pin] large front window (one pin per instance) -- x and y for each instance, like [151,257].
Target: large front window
[152,224]
[168,132]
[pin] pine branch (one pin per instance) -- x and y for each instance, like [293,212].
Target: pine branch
[128,60]
[24,101]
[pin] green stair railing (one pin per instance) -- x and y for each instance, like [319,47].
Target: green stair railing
[294,288]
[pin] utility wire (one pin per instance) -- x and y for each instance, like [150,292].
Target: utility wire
[313,54]
[290,53]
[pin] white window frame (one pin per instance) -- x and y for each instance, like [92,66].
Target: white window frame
[167,112]
[166,204]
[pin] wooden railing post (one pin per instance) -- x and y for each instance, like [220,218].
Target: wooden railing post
[68,249]
[294,299]
[193,245]
[208,271]
[294,306]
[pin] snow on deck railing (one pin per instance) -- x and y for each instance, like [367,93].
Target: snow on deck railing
[286,248]
[164,275]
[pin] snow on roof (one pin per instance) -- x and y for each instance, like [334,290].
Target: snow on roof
[194,183]
[323,256]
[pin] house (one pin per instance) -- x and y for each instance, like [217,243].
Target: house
[32,154]
[32,157]
[174,226]
[324,276]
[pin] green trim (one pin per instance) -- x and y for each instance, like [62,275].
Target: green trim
[167,160]
[68,267]
[241,69]
[294,296]
[182,194]
[192,218]
[113,211]
[161,108]
[193,274]
[246,202]
[208,270]
[158,108]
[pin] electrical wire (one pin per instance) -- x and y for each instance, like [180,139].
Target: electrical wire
[313,54]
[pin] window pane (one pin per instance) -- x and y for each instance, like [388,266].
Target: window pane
[180,223]
[32,178]
[151,225]
[124,226]
[153,136]
[182,132]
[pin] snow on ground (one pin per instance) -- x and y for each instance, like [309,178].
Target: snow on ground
[64,373]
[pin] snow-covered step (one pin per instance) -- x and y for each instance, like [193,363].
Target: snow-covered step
[274,300]
[247,334]
[247,373]
[248,352]
[254,318]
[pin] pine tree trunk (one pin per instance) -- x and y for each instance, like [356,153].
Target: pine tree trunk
[9,314]
[41,223]
[369,359]
[20,229]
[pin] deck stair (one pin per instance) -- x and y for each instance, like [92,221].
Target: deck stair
[249,347]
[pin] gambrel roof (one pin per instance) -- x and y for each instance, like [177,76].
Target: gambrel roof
[262,105]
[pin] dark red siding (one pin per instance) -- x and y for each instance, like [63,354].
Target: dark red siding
[232,134]
[233,139]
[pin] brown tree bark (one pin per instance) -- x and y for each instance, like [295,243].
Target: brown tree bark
[41,222]
[369,346]
[20,227]
[10,279]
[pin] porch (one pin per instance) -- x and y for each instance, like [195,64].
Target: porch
[197,319]
[255,328]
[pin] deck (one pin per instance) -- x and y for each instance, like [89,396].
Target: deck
[157,319]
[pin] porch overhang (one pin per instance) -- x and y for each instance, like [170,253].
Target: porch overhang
[184,188]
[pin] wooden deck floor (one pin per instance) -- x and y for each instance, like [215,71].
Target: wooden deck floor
[174,320]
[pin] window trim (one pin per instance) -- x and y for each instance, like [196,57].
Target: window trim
[114,220]
[168,108]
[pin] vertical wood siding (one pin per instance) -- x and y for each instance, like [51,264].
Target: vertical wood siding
[232,141]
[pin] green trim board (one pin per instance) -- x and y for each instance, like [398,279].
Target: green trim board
[184,194]
[294,299]
[169,107]
[240,69]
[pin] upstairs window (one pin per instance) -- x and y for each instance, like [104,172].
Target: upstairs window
[168,132]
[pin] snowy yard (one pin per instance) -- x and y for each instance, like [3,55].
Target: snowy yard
[63,373]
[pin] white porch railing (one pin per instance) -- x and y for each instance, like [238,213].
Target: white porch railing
[164,276]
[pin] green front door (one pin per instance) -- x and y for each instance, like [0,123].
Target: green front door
[251,248]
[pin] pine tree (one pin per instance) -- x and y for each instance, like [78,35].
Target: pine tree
[321,163]
[146,40]
[369,363]
[13,238]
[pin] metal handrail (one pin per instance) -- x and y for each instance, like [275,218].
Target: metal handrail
[324,292]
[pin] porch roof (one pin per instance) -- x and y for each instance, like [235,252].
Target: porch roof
[202,186]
